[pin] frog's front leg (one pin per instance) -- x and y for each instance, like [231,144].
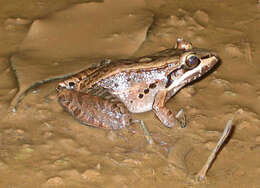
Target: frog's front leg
[164,114]
[94,110]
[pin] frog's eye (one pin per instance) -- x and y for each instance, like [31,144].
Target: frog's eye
[71,85]
[192,61]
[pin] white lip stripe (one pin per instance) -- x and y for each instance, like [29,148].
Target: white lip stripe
[205,62]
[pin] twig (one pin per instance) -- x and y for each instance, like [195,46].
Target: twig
[202,174]
[147,135]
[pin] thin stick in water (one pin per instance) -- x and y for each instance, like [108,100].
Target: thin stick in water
[202,174]
[147,135]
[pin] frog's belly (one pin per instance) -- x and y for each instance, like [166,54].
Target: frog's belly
[139,108]
[137,102]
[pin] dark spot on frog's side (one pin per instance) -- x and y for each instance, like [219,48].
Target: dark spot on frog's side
[140,95]
[146,91]
[152,86]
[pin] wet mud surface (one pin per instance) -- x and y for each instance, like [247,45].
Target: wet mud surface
[43,146]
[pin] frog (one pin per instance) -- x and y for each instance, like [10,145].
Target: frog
[106,95]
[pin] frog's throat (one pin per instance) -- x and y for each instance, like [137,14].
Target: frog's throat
[187,77]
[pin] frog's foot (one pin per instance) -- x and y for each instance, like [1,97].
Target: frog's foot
[180,116]
[164,114]
[93,110]
[167,118]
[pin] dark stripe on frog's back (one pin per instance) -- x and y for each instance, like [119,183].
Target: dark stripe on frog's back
[94,74]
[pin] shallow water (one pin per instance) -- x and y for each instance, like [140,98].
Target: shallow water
[43,146]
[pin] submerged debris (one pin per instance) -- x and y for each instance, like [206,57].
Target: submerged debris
[147,135]
[202,174]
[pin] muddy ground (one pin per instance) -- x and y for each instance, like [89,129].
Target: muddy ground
[43,146]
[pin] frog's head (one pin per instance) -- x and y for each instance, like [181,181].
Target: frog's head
[193,63]
[70,84]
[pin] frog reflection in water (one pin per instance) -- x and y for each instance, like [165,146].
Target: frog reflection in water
[106,95]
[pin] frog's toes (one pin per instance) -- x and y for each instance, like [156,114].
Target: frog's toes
[180,116]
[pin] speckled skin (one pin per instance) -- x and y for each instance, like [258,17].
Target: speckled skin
[139,85]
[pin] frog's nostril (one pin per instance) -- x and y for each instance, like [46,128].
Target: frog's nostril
[58,88]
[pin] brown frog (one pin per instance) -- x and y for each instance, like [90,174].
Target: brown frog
[106,95]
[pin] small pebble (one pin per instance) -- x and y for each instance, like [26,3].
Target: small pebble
[132,162]
[98,167]
[91,175]
[115,35]
[64,162]
[230,93]
[55,181]
[201,16]
[20,131]
[56,63]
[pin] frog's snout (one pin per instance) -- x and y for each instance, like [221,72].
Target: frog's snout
[60,86]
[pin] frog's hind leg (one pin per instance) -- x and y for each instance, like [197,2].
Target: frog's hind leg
[95,110]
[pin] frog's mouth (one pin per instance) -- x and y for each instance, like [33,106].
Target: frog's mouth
[183,76]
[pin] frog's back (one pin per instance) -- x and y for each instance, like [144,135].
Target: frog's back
[108,69]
